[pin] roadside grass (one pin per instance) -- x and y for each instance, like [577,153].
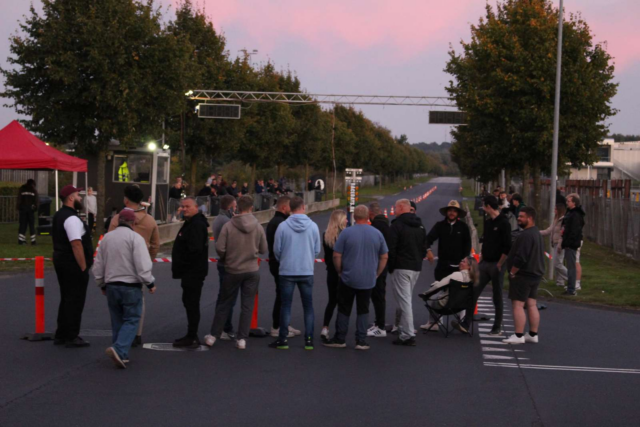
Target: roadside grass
[9,248]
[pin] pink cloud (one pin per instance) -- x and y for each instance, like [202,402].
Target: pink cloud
[336,31]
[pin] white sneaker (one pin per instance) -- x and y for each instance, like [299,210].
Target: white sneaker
[429,326]
[394,330]
[227,337]
[209,340]
[294,331]
[276,333]
[513,339]
[578,287]
[561,284]
[376,332]
[325,333]
[241,345]
[530,339]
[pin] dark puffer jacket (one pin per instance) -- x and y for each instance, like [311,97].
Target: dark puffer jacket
[407,243]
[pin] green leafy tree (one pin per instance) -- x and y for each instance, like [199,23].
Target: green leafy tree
[88,72]
[504,79]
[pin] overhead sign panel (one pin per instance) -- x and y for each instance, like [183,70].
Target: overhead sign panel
[219,111]
[447,117]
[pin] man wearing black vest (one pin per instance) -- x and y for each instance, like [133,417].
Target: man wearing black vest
[72,259]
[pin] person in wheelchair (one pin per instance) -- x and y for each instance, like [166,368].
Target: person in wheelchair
[437,295]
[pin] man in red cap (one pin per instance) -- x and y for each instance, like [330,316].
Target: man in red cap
[72,259]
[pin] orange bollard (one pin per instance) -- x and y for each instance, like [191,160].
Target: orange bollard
[256,331]
[476,312]
[40,334]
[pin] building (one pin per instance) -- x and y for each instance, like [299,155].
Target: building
[616,160]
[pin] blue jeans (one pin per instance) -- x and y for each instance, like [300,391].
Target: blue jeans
[125,307]
[287,286]
[228,325]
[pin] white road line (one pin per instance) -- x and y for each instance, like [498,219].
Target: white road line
[497,357]
[487,342]
[489,330]
[500,349]
[564,368]
[492,336]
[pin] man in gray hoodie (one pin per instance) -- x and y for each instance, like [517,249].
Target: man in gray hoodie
[296,245]
[228,206]
[239,246]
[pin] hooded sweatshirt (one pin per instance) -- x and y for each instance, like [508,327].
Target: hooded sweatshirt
[572,225]
[240,244]
[296,245]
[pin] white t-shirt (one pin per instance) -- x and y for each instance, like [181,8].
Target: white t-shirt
[92,204]
[74,228]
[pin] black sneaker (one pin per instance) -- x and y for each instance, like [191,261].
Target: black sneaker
[461,327]
[308,343]
[137,341]
[77,342]
[280,344]
[362,345]
[569,293]
[411,342]
[495,331]
[187,342]
[335,343]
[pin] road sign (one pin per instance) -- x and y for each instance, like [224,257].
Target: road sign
[447,117]
[218,111]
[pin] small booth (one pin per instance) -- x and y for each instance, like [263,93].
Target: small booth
[149,169]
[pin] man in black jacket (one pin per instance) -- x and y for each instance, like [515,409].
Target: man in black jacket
[27,208]
[495,249]
[572,225]
[190,263]
[454,240]
[407,248]
[283,210]
[378,296]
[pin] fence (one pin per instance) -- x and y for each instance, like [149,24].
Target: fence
[8,211]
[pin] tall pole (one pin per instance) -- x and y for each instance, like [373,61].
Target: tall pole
[556,130]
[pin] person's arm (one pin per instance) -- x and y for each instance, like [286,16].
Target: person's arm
[431,238]
[505,235]
[154,242]
[392,244]
[263,246]
[382,263]
[142,262]
[98,269]
[78,253]
[114,223]
[548,231]
[337,262]
[520,253]
[277,244]
[317,246]
[221,243]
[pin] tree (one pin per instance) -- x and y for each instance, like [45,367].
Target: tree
[505,81]
[91,72]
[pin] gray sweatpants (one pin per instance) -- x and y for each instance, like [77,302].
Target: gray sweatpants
[558,266]
[403,282]
[247,283]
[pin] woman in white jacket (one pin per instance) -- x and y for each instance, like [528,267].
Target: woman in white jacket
[555,231]
[468,274]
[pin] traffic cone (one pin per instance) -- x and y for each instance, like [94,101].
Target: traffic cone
[256,331]
[476,312]
[385,213]
[392,211]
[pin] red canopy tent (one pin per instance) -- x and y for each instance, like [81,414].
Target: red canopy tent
[20,149]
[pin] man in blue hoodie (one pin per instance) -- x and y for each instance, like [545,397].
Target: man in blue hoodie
[296,246]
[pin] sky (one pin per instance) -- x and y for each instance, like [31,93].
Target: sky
[383,47]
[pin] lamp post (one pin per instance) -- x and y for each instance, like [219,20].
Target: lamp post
[556,130]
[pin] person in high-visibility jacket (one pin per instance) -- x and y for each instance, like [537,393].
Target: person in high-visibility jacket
[123,173]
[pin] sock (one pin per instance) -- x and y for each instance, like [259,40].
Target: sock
[533,334]
[519,335]
[577,282]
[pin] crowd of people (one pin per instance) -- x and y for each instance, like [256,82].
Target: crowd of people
[360,260]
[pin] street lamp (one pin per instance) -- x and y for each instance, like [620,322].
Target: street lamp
[152,146]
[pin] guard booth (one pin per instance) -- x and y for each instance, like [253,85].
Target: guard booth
[149,169]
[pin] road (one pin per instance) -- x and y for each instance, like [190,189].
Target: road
[585,370]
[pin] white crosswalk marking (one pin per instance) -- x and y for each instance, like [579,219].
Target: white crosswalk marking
[500,349]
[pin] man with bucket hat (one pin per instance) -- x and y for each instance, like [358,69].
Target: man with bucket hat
[454,240]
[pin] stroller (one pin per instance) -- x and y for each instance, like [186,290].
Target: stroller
[457,300]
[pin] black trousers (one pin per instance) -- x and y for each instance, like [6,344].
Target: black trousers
[275,314]
[333,283]
[91,220]
[191,292]
[27,218]
[379,299]
[346,296]
[73,293]
[488,273]
[443,269]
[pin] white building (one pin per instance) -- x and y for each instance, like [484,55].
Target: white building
[617,160]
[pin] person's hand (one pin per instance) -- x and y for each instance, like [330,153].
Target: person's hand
[430,256]
[152,290]
[104,291]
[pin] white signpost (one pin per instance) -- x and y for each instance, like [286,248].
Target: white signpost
[353,181]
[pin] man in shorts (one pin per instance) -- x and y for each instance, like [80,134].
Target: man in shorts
[526,268]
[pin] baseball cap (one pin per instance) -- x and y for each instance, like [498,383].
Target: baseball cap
[127,215]
[67,190]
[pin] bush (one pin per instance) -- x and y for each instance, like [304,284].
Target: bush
[10,188]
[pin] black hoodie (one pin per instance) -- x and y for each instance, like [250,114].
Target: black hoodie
[407,243]
[572,228]
[190,254]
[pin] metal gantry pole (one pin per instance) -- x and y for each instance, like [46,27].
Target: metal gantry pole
[556,130]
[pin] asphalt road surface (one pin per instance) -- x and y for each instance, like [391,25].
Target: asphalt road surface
[585,371]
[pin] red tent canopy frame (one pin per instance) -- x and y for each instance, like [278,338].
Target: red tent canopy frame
[20,149]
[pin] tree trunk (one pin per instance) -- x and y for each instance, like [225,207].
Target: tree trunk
[537,186]
[253,175]
[102,161]
[194,168]
[507,180]
[525,183]
[306,176]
